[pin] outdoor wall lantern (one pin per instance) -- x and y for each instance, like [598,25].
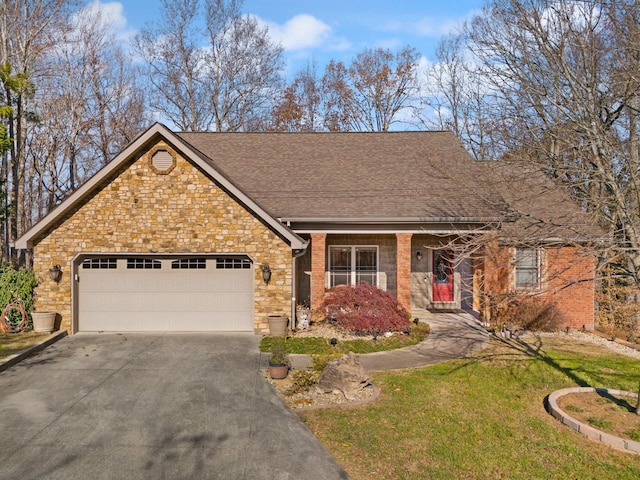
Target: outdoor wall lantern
[419,255]
[266,273]
[55,273]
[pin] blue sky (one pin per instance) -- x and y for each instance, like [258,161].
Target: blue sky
[328,29]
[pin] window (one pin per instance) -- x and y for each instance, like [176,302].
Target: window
[527,268]
[101,263]
[232,263]
[189,264]
[143,264]
[353,265]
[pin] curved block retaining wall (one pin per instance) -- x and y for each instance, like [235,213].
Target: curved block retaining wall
[586,430]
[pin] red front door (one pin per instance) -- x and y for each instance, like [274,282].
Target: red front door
[442,276]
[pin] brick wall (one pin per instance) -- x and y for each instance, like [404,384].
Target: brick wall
[141,211]
[570,280]
[403,272]
[567,277]
[318,267]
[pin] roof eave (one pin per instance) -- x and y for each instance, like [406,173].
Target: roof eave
[390,220]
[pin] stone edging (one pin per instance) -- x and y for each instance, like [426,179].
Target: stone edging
[586,430]
[18,357]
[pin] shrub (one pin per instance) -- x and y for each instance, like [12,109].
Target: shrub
[530,313]
[278,357]
[302,381]
[319,362]
[617,309]
[365,310]
[16,284]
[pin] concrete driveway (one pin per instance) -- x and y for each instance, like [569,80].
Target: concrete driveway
[152,406]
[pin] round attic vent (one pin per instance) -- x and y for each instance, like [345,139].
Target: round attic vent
[162,161]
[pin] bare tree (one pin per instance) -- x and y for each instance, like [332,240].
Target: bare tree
[299,108]
[560,92]
[373,92]
[27,32]
[174,63]
[561,88]
[72,102]
[242,68]
[377,90]
[457,97]
[564,76]
[222,78]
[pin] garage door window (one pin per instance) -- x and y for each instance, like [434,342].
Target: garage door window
[101,263]
[232,263]
[189,264]
[143,264]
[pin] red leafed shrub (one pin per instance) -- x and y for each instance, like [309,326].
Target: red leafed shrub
[365,310]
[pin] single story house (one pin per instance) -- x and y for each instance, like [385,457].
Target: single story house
[217,231]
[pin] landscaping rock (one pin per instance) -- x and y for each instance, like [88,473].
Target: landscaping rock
[345,375]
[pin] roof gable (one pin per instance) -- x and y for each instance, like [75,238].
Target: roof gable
[154,134]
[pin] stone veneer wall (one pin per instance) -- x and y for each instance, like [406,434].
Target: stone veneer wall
[141,211]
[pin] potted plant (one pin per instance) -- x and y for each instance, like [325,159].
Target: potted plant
[278,364]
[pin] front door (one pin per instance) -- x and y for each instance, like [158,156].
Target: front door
[442,276]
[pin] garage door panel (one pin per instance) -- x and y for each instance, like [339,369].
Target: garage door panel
[150,322]
[165,302]
[166,299]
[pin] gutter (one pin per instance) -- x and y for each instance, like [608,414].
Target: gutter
[294,283]
[389,220]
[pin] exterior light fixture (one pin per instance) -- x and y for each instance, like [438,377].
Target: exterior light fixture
[416,321]
[418,255]
[266,273]
[334,341]
[55,273]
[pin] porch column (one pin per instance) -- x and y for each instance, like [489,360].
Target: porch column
[403,268]
[318,267]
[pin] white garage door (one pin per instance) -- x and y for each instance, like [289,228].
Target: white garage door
[165,294]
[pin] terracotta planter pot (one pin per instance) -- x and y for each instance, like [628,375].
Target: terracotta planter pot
[278,372]
[43,322]
[278,325]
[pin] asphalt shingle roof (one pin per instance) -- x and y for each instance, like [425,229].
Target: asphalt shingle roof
[399,175]
[418,176]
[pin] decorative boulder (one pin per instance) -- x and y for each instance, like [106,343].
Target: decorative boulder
[346,375]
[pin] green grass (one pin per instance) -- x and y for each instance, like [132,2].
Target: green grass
[599,422]
[322,346]
[573,408]
[480,418]
[634,434]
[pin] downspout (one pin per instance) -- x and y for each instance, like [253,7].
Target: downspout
[294,283]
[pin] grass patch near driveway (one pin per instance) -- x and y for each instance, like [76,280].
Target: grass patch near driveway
[322,345]
[12,343]
[480,418]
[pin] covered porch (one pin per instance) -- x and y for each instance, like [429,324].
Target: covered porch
[421,270]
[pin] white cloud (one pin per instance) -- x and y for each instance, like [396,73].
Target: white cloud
[110,15]
[429,26]
[390,44]
[300,32]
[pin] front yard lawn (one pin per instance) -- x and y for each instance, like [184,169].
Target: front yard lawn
[480,418]
[12,343]
[322,346]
